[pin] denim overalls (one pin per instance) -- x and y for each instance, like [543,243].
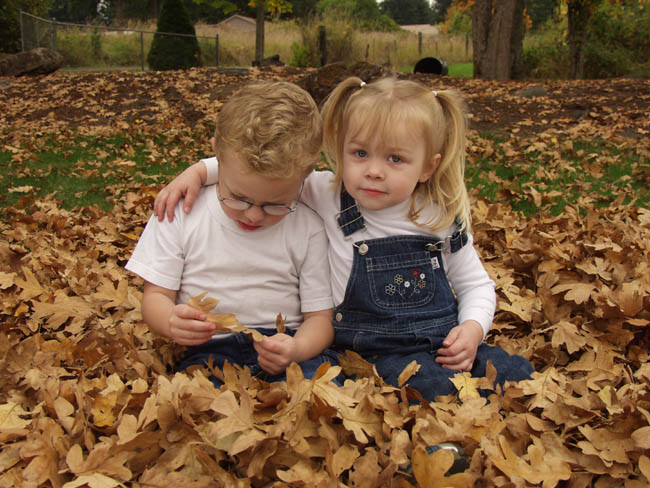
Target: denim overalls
[399,307]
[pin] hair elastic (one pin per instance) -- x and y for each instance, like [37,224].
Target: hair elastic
[362,84]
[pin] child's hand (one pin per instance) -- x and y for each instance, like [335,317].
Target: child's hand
[187,185]
[460,345]
[187,326]
[275,353]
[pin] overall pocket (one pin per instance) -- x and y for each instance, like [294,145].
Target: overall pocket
[401,280]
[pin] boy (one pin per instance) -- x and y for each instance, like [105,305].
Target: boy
[248,243]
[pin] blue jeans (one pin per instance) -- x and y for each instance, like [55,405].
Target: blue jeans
[392,353]
[238,349]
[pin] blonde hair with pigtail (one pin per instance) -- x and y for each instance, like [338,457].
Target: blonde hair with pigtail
[440,117]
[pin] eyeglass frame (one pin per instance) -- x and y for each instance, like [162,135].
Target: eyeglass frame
[289,210]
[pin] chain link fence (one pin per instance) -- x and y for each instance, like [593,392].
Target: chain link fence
[96,46]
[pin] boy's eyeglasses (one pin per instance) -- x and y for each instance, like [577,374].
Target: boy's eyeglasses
[269,208]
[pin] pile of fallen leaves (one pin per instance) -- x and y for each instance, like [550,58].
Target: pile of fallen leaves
[88,396]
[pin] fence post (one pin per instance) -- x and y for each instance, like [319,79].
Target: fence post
[419,43]
[53,42]
[216,50]
[22,32]
[142,49]
[322,43]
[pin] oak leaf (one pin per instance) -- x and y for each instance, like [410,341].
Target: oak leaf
[466,385]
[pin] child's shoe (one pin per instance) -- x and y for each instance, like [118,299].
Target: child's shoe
[461,459]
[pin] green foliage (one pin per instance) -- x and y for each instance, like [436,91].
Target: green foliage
[617,41]
[10,21]
[301,56]
[617,44]
[439,11]
[540,11]
[546,52]
[458,20]
[408,12]
[174,52]
[365,14]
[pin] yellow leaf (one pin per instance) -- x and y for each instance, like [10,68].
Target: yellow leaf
[466,385]
[412,368]
[576,292]
[429,470]
[30,285]
[10,416]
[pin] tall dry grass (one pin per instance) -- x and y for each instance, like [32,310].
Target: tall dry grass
[296,44]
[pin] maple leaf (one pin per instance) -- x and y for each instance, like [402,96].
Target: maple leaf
[576,292]
[430,470]
[11,417]
[466,385]
[30,285]
[568,334]
[542,469]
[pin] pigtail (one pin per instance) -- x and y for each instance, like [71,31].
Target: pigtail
[446,187]
[334,123]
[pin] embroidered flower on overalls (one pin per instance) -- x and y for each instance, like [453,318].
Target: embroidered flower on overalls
[407,287]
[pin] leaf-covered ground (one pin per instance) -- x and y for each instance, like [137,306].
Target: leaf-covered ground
[88,396]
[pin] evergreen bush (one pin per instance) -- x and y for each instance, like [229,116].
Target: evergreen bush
[174,52]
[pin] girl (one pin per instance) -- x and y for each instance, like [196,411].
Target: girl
[408,284]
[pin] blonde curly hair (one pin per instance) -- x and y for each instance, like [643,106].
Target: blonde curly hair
[273,126]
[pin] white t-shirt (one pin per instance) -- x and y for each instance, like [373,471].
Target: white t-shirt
[255,275]
[468,278]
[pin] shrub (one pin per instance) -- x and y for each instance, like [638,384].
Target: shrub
[174,52]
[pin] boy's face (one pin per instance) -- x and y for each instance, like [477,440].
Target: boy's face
[236,181]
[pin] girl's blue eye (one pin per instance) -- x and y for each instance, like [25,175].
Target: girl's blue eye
[394,158]
[360,153]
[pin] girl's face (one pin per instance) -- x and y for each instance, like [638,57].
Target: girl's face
[379,174]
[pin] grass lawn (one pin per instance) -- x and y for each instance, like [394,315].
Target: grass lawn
[91,171]
[461,70]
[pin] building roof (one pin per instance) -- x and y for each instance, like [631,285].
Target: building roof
[236,18]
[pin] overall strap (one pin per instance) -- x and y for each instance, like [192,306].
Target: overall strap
[452,243]
[349,218]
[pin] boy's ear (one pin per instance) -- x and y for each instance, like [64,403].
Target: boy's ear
[430,168]
[213,144]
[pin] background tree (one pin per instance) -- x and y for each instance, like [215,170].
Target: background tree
[174,52]
[304,9]
[498,34]
[10,20]
[275,8]
[540,11]
[578,13]
[439,11]
[407,12]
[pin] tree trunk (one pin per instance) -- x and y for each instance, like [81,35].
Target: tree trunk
[259,32]
[579,12]
[498,34]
